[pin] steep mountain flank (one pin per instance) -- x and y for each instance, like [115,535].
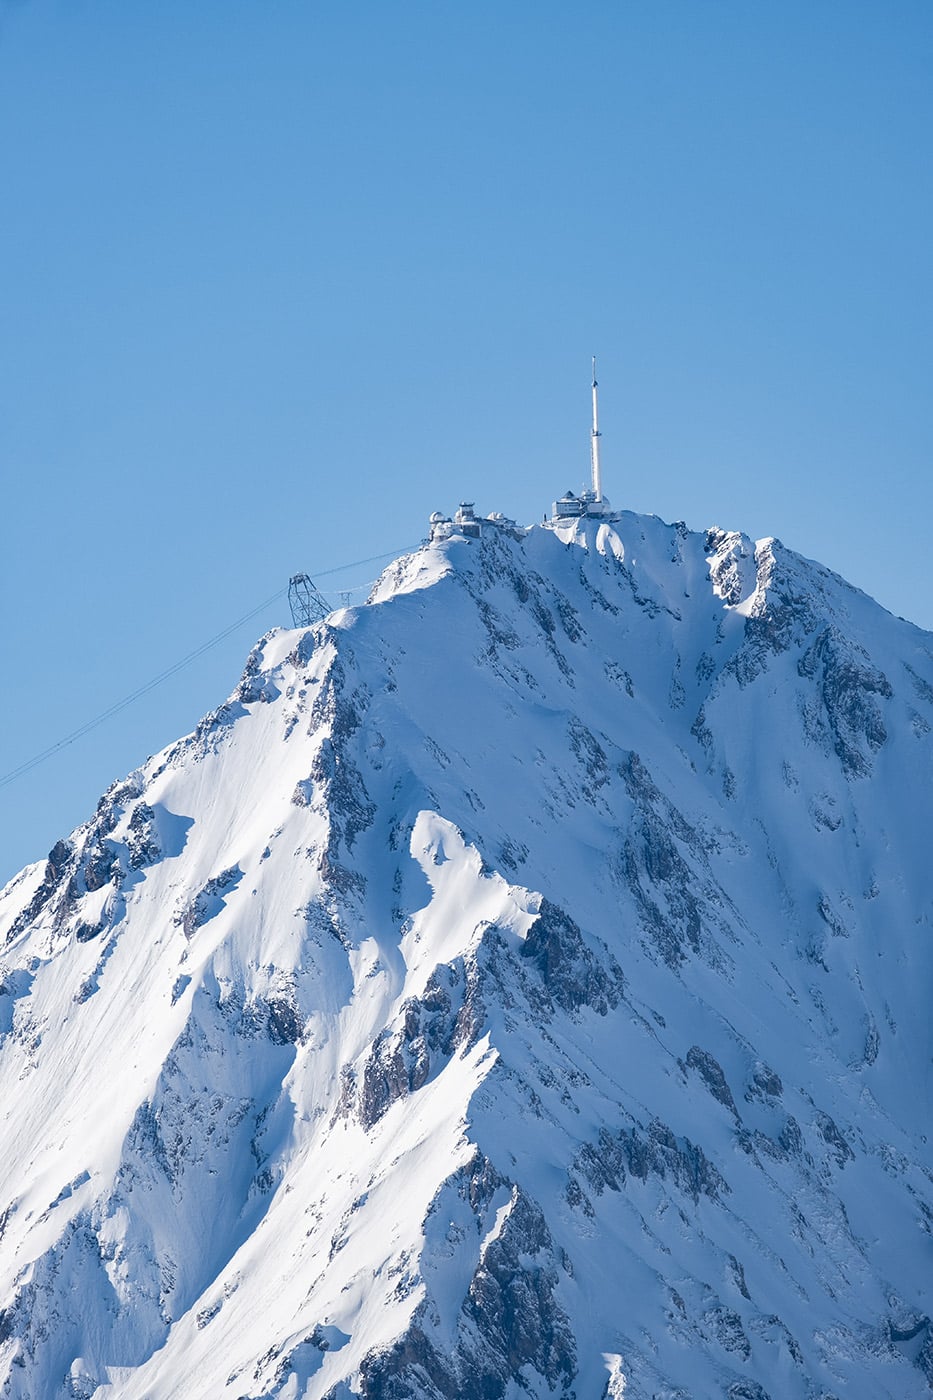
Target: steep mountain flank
[519,987]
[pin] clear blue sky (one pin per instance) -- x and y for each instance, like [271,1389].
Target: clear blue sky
[279,278]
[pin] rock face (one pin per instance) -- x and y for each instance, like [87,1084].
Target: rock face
[520,986]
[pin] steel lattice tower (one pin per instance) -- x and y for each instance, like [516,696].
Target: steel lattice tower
[306,603]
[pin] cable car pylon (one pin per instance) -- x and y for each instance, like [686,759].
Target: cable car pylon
[307,604]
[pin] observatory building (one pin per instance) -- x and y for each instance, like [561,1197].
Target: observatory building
[467,522]
[589,502]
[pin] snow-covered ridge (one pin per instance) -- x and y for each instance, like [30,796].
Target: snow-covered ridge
[518,986]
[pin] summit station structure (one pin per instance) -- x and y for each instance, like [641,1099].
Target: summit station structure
[570,506]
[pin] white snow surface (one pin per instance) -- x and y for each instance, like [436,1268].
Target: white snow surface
[519,987]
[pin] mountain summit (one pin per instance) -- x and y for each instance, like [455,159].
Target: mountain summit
[519,987]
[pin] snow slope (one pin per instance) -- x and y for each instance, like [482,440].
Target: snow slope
[519,987]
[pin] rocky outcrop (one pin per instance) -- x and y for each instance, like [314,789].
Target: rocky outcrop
[573,976]
[430,1028]
[643,1152]
[507,1323]
[845,713]
[665,867]
[208,901]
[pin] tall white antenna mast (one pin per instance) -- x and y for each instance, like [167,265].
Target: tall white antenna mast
[594,442]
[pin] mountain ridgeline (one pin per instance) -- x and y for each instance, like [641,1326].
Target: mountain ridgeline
[519,987]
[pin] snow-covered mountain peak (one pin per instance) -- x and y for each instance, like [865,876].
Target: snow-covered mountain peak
[519,985]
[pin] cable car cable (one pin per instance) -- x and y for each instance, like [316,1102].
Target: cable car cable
[173,670]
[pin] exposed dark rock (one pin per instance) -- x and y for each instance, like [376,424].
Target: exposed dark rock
[771,1328]
[738,1273]
[208,901]
[509,1323]
[847,684]
[206,1315]
[710,1071]
[833,1138]
[342,789]
[58,865]
[144,1139]
[338,878]
[705,668]
[451,1013]
[255,687]
[726,573]
[512,1303]
[101,865]
[790,1139]
[85,932]
[538,596]
[725,1327]
[923,687]
[307,645]
[591,757]
[512,853]
[500,633]
[180,986]
[619,676]
[872,1044]
[660,880]
[304,792]
[747,1390]
[831,918]
[216,726]
[142,838]
[702,733]
[631,1151]
[766,1084]
[386,1077]
[569,617]
[283,1021]
[571,972]
[403,1057]
[784,617]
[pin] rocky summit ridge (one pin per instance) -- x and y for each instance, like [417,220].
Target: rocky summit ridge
[519,987]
